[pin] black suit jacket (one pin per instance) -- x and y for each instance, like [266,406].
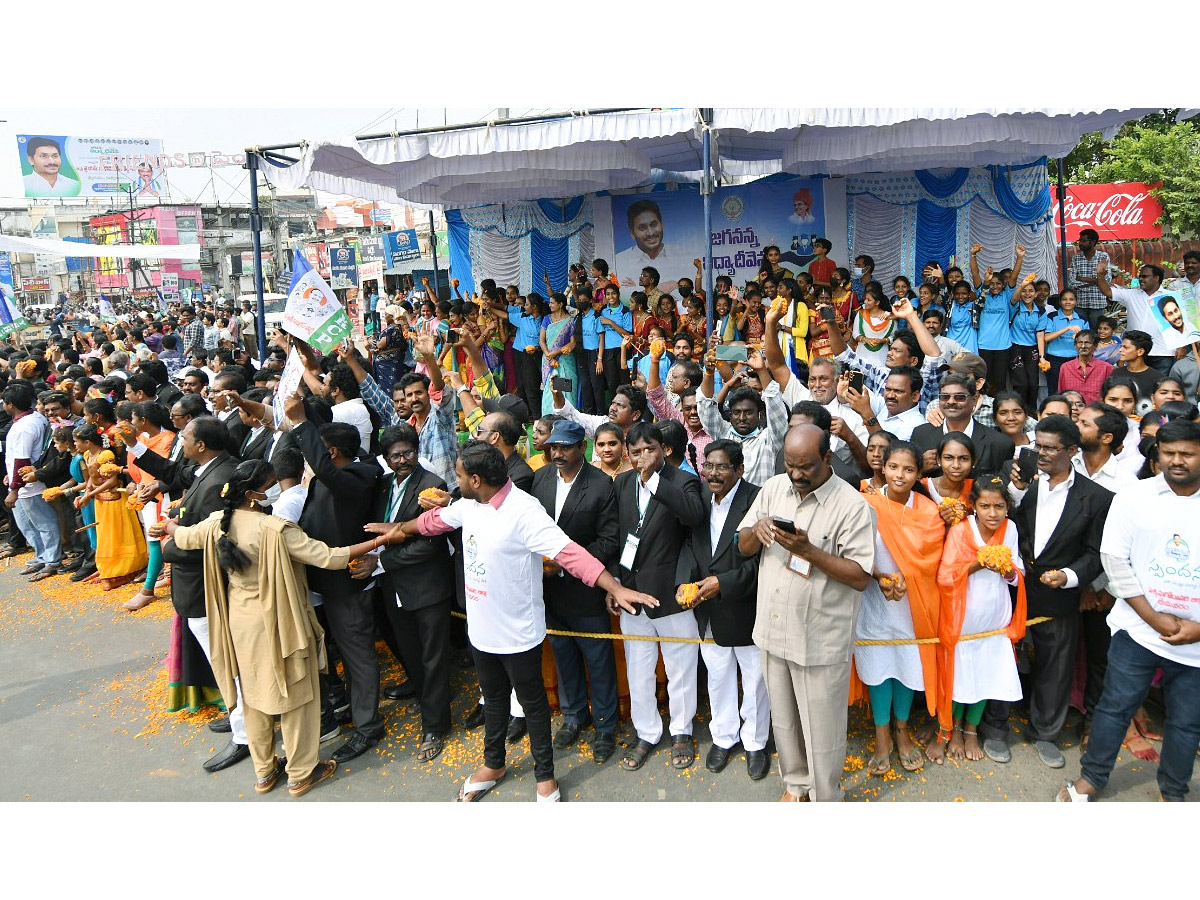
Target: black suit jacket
[672,512]
[237,432]
[991,447]
[419,570]
[338,507]
[254,446]
[519,472]
[731,613]
[200,500]
[1074,544]
[589,517]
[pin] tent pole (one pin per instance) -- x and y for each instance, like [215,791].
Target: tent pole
[256,236]
[706,189]
[433,247]
[1062,227]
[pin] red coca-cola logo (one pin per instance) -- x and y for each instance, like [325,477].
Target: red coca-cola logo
[1116,211]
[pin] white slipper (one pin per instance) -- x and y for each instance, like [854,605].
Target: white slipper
[556,797]
[1075,796]
[478,788]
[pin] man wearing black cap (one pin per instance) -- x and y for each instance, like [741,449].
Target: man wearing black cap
[582,501]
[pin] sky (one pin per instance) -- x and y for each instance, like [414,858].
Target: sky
[225,131]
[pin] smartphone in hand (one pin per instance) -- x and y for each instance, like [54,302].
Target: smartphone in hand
[856,381]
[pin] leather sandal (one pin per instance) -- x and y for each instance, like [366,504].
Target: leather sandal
[683,751]
[266,785]
[431,747]
[635,756]
[322,772]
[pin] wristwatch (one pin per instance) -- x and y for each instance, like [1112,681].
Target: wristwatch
[871,422]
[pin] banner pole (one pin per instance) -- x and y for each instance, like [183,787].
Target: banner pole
[256,236]
[1062,226]
[706,189]
[433,247]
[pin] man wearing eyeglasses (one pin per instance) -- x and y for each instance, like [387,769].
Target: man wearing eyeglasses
[1060,521]
[725,611]
[957,402]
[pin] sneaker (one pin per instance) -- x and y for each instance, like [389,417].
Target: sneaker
[329,732]
[1049,754]
[997,750]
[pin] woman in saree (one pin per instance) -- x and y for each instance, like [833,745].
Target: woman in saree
[389,349]
[900,603]
[558,346]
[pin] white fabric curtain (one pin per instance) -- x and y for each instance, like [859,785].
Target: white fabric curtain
[1000,236]
[875,230]
[496,256]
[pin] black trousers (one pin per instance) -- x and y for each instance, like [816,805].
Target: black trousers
[423,637]
[613,373]
[352,623]
[571,655]
[1055,644]
[997,370]
[591,386]
[499,674]
[1096,637]
[1023,368]
[529,379]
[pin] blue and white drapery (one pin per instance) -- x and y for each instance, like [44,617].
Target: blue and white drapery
[514,243]
[905,219]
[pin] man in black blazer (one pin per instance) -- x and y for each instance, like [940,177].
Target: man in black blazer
[503,431]
[230,380]
[1060,521]
[725,610]
[957,399]
[583,502]
[204,441]
[339,505]
[657,506]
[418,588]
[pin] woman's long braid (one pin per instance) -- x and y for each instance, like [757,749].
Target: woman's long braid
[248,476]
[691,453]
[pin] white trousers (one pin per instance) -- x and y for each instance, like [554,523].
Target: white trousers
[237,715]
[754,722]
[680,660]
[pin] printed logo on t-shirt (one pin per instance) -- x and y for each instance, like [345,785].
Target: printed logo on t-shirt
[471,561]
[1177,549]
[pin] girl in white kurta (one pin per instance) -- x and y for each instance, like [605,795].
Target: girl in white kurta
[985,668]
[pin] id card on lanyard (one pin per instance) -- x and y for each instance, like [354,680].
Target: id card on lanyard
[629,551]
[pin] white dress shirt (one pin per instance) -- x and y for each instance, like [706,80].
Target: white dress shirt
[720,513]
[1051,501]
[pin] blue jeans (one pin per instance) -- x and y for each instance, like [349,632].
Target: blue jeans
[1131,668]
[570,657]
[37,521]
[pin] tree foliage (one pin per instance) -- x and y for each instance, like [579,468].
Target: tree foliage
[1153,149]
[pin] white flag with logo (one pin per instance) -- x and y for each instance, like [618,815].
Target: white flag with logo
[313,312]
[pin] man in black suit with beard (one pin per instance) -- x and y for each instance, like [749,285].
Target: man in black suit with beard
[583,502]
[725,609]
[205,442]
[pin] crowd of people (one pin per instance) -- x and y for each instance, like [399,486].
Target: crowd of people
[800,496]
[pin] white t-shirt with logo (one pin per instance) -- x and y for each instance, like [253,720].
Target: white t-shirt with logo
[1158,531]
[502,568]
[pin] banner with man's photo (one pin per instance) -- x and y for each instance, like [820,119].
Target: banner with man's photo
[665,230]
[1178,316]
[56,165]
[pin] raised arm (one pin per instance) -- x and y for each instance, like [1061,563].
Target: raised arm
[903,309]
[776,363]
[1016,270]
[976,249]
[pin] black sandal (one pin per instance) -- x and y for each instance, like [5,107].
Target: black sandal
[635,756]
[431,742]
[683,751]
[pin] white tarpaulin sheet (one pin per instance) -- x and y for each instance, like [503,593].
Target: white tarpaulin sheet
[582,153]
[183,252]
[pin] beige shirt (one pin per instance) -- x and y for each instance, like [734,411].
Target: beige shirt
[809,620]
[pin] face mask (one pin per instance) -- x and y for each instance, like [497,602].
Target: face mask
[272,494]
[685,292]
[857,271]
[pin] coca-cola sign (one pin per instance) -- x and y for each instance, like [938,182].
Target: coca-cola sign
[1118,212]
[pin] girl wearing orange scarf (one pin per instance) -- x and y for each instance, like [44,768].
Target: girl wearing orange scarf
[981,561]
[901,603]
[951,490]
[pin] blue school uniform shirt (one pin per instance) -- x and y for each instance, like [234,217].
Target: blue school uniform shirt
[591,330]
[1064,344]
[959,327]
[1026,323]
[528,328]
[993,320]
[612,337]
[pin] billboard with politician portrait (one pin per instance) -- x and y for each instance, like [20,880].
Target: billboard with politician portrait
[665,230]
[55,165]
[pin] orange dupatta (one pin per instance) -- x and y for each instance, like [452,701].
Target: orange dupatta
[915,537]
[961,552]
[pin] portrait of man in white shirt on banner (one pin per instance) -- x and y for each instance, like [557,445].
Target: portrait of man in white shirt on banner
[45,158]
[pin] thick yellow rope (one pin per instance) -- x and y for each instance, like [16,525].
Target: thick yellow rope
[607,636]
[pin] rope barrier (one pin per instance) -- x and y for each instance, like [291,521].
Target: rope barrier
[608,636]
